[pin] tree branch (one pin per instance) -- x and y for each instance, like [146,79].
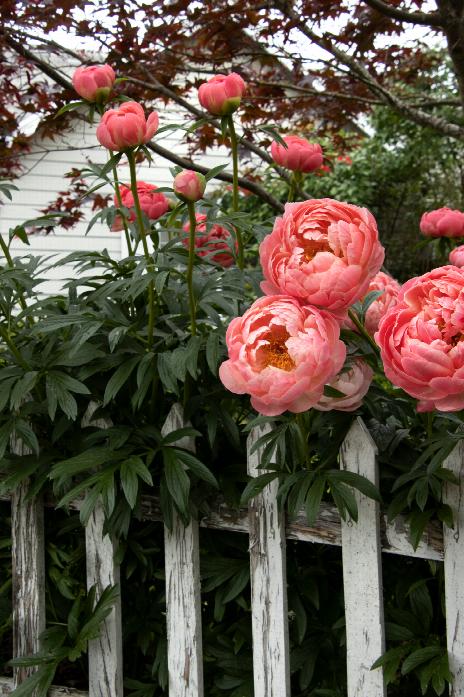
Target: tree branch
[163,152]
[223,176]
[327,42]
[427,19]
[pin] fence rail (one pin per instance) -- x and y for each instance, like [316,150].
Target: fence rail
[362,544]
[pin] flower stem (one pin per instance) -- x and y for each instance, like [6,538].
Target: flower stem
[233,142]
[291,189]
[120,204]
[355,319]
[191,257]
[13,348]
[143,237]
[10,263]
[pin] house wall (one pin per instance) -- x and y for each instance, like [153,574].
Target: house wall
[44,169]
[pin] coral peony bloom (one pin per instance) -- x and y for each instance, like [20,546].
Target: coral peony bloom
[189,185]
[126,127]
[222,94]
[443,222]
[353,383]
[322,252]
[300,155]
[217,239]
[376,310]
[282,353]
[94,82]
[456,256]
[422,339]
[152,203]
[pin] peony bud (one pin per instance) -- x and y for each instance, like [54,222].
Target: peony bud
[299,156]
[126,127]
[94,82]
[189,186]
[222,94]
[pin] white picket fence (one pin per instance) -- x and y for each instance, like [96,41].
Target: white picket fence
[362,544]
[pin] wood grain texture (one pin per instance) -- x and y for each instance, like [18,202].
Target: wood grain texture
[105,652]
[326,530]
[362,572]
[271,664]
[28,570]
[453,540]
[183,599]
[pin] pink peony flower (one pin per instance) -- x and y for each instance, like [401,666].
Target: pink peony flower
[456,256]
[189,185]
[152,203]
[217,239]
[126,127]
[421,339]
[282,353]
[94,82]
[222,94]
[353,383]
[376,310]
[443,222]
[300,155]
[322,252]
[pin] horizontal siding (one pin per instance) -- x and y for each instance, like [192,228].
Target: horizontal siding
[45,168]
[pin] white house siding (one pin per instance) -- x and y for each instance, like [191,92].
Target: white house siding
[44,170]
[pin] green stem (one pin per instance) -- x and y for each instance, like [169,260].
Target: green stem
[191,258]
[354,318]
[120,204]
[143,237]
[291,188]
[234,144]
[10,263]
[13,348]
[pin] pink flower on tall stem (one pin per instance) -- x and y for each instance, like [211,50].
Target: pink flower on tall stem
[94,82]
[300,155]
[222,94]
[353,384]
[126,127]
[214,243]
[153,203]
[443,222]
[282,354]
[322,252]
[421,339]
[189,185]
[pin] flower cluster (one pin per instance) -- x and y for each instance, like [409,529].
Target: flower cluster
[152,203]
[214,243]
[318,260]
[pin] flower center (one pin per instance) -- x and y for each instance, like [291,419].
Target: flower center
[312,247]
[276,353]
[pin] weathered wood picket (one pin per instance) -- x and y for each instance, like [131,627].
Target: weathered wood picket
[362,544]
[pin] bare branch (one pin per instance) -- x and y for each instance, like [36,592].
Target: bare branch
[427,19]
[327,42]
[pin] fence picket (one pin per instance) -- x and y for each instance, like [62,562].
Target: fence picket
[183,600]
[362,572]
[28,576]
[105,652]
[453,541]
[271,664]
